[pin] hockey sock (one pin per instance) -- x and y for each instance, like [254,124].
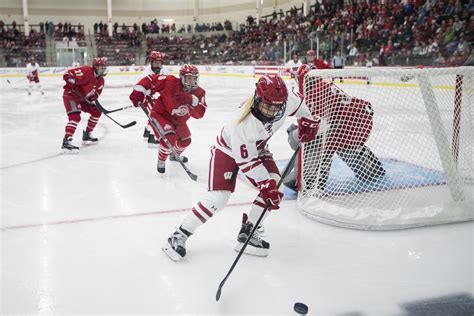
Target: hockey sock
[91,123]
[74,119]
[212,203]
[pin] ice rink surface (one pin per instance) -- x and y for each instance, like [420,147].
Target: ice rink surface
[82,234]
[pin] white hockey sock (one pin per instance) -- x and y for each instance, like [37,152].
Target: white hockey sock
[255,213]
[202,211]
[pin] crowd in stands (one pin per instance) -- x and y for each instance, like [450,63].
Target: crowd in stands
[396,32]
[120,48]
[407,32]
[17,48]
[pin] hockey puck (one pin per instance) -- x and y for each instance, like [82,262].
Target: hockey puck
[301,308]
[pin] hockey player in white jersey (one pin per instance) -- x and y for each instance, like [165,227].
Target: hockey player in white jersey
[292,67]
[32,74]
[153,68]
[242,145]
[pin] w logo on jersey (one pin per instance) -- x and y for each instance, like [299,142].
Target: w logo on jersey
[228,175]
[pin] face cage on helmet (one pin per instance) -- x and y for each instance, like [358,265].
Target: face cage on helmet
[261,117]
[156,70]
[188,86]
[103,74]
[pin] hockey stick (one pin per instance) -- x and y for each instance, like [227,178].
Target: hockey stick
[105,111]
[162,135]
[101,109]
[283,176]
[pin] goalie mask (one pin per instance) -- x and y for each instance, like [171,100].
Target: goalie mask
[270,99]
[100,66]
[189,75]
[156,61]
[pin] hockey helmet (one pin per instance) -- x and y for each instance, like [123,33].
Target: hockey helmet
[189,75]
[310,56]
[100,66]
[156,61]
[270,98]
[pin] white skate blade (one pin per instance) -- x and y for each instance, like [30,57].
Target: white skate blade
[169,251]
[251,250]
[88,142]
[69,151]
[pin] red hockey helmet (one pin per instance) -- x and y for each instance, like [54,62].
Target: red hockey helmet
[99,61]
[100,66]
[155,56]
[310,56]
[271,95]
[156,61]
[189,75]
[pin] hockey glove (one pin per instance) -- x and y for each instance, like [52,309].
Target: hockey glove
[270,194]
[307,129]
[188,99]
[136,97]
[70,84]
[92,96]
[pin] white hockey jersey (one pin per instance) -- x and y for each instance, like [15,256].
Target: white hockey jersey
[293,67]
[247,141]
[32,70]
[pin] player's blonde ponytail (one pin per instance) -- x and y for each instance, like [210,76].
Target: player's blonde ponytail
[247,108]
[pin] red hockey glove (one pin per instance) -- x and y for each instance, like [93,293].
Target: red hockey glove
[92,96]
[307,129]
[136,97]
[187,98]
[270,194]
[70,84]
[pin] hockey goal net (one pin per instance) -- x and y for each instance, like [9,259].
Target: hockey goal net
[395,147]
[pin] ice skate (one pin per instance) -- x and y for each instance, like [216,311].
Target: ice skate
[146,134]
[175,248]
[152,142]
[161,167]
[256,246]
[88,139]
[68,148]
[182,158]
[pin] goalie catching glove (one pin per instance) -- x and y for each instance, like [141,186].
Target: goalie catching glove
[307,129]
[270,194]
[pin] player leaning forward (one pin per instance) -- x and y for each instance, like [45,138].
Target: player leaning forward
[242,144]
[83,86]
[180,99]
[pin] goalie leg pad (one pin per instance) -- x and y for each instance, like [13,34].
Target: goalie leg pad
[363,162]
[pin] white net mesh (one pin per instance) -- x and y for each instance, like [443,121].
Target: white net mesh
[395,148]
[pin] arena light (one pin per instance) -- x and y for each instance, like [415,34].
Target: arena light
[168,20]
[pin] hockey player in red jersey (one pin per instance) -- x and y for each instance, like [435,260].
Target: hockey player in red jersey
[180,98]
[155,67]
[242,145]
[311,63]
[32,74]
[83,86]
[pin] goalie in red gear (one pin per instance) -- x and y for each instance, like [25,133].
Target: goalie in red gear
[180,99]
[83,86]
[347,125]
[242,145]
